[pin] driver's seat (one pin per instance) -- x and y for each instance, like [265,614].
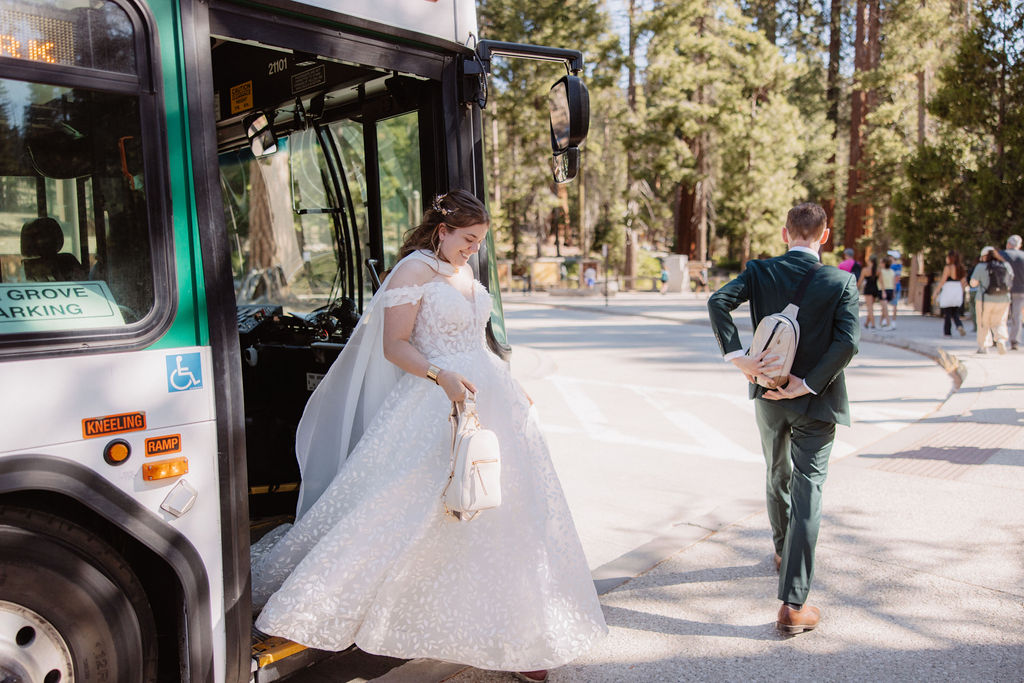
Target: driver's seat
[41,242]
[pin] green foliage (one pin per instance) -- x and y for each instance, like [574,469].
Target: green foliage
[715,82]
[650,265]
[741,84]
[967,189]
[918,38]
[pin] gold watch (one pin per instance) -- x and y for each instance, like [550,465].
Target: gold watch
[432,372]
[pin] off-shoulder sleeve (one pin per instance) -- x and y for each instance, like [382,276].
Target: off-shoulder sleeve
[396,296]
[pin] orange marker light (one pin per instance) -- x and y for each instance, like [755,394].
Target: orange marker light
[175,467]
[117,451]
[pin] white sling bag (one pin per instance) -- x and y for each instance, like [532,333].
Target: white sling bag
[780,333]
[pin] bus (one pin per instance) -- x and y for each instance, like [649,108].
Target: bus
[197,198]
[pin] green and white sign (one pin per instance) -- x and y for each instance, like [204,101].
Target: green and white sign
[48,306]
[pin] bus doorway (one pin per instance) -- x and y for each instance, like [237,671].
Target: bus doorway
[321,176]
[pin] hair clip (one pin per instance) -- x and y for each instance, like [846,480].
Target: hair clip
[439,207]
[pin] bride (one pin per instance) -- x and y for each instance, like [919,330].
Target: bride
[372,558]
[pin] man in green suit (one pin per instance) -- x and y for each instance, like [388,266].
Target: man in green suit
[797,423]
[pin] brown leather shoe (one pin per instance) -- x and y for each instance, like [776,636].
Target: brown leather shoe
[778,562]
[792,621]
[539,676]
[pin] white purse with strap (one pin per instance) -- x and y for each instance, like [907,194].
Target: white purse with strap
[474,483]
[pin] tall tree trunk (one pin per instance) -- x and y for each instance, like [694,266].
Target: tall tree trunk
[631,61]
[835,45]
[766,18]
[915,284]
[1001,119]
[691,220]
[582,196]
[691,225]
[562,228]
[263,247]
[629,267]
[857,213]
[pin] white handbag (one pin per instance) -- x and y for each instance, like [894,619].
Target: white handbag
[474,483]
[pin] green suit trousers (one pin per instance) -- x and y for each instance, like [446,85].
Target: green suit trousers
[796,450]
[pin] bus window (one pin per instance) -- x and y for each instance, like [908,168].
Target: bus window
[73,196]
[401,187]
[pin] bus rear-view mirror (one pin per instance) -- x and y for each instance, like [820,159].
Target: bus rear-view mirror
[260,132]
[569,105]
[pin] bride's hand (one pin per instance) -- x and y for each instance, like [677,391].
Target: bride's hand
[455,385]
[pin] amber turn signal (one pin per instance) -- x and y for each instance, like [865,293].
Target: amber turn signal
[175,467]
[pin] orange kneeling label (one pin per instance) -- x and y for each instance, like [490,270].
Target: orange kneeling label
[162,445]
[113,424]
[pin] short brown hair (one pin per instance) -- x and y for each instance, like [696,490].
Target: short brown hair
[806,221]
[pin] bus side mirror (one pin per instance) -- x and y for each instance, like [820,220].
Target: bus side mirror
[569,105]
[260,132]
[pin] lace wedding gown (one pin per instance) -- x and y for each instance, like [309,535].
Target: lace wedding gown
[376,561]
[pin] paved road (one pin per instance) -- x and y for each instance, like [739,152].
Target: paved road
[654,438]
[652,432]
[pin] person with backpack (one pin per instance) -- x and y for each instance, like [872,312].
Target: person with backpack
[993,278]
[1015,257]
[797,422]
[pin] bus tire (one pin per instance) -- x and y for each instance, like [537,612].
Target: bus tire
[70,606]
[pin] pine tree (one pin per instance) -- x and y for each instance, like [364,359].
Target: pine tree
[967,188]
[721,140]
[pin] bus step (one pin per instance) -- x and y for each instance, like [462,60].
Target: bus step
[269,649]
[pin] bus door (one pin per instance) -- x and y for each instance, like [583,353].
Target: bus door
[323,166]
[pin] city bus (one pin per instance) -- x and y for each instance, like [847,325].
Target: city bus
[197,199]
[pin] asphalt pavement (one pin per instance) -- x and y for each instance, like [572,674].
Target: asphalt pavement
[920,561]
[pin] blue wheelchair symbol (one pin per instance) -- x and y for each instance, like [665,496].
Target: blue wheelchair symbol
[184,372]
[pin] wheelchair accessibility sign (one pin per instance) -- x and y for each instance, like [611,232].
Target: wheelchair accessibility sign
[184,372]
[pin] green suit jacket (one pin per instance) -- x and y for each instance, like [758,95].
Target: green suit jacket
[829,326]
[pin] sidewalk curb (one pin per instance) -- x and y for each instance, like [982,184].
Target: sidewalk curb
[947,361]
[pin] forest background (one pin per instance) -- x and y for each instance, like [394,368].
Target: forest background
[711,118]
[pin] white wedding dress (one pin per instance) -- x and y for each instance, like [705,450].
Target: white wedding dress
[376,561]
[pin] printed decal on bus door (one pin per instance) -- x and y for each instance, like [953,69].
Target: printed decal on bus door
[184,372]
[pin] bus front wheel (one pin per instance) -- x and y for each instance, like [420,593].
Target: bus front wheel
[70,607]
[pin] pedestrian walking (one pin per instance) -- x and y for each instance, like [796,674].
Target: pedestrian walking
[993,278]
[590,276]
[850,264]
[950,297]
[887,292]
[897,271]
[374,558]
[797,422]
[1015,257]
[868,283]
